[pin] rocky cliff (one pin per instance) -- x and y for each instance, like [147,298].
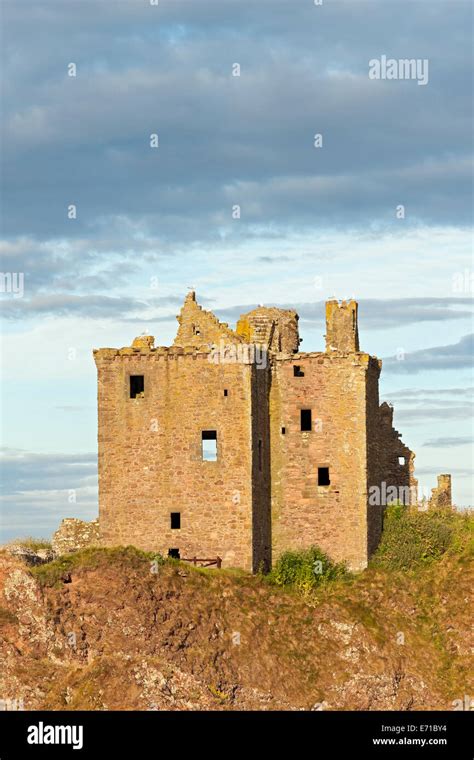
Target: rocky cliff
[114,629]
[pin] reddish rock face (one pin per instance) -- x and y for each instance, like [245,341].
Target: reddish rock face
[120,635]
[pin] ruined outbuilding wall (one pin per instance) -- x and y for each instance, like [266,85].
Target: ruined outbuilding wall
[390,473]
[441,495]
[73,535]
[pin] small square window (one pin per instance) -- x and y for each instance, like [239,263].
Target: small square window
[297,371]
[209,445]
[137,385]
[173,553]
[323,476]
[306,424]
[175,520]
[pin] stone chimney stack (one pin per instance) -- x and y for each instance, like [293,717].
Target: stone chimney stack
[342,333]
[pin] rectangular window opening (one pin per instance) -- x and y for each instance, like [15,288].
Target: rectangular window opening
[260,456]
[297,371]
[323,476]
[226,392]
[175,520]
[306,419]
[137,385]
[401,460]
[283,431]
[174,553]
[209,445]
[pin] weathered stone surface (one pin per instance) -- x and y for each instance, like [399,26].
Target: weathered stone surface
[441,495]
[30,556]
[144,341]
[198,327]
[342,332]
[74,534]
[277,329]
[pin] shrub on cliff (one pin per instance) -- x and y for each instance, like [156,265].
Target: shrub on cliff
[306,570]
[412,538]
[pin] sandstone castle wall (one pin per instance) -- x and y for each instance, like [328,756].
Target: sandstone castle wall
[301,440]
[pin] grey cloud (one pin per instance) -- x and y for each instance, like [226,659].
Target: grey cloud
[427,414]
[24,471]
[458,472]
[226,139]
[39,513]
[453,356]
[69,305]
[448,442]
[376,313]
[36,491]
[414,394]
[79,264]
[423,405]
[274,259]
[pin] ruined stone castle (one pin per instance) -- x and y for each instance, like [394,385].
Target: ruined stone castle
[234,444]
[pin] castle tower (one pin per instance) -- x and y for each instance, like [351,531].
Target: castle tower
[276,329]
[342,332]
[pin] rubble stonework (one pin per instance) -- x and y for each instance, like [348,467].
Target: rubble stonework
[28,555]
[441,495]
[74,534]
[274,486]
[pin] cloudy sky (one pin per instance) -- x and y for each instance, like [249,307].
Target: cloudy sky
[315,222]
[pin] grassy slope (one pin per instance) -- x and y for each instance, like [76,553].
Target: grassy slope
[384,639]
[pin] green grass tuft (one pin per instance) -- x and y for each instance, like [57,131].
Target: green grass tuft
[51,573]
[31,543]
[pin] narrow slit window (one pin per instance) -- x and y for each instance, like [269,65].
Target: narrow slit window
[260,456]
[297,371]
[283,431]
[209,445]
[323,476]
[173,553]
[175,520]
[306,419]
[137,385]
[226,392]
